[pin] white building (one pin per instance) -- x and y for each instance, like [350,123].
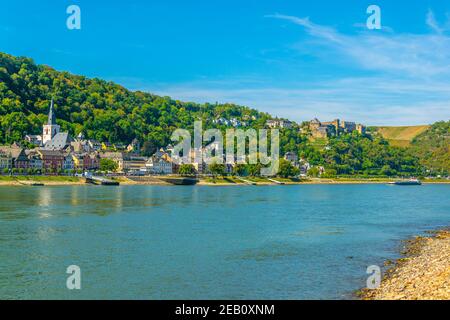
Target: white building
[5,160]
[158,165]
[51,128]
[279,123]
[34,139]
[68,163]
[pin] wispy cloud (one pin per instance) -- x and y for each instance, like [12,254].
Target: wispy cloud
[373,101]
[432,23]
[413,54]
[406,78]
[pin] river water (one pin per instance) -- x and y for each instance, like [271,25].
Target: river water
[198,242]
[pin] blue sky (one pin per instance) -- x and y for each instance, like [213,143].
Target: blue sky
[295,59]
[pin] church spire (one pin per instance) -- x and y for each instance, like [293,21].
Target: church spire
[51,115]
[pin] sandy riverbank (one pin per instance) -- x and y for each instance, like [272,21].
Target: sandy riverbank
[423,274]
[313,181]
[46,180]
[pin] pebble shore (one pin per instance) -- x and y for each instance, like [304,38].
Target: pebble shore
[424,273]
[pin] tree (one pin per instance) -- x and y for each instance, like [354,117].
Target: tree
[108,165]
[254,170]
[387,171]
[287,170]
[314,172]
[217,169]
[239,170]
[148,148]
[186,170]
[329,173]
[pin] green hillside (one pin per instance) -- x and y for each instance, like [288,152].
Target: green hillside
[400,136]
[101,110]
[433,147]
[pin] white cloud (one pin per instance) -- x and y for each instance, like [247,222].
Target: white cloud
[373,101]
[432,23]
[404,54]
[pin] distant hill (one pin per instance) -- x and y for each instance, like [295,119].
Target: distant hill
[401,136]
[433,147]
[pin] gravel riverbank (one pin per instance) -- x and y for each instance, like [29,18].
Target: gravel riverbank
[423,274]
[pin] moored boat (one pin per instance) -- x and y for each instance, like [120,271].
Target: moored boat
[410,182]
[185,181]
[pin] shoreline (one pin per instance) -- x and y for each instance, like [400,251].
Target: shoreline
[422,273]
[124,181]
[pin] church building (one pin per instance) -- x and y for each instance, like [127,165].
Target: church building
[50,129]
[52,138]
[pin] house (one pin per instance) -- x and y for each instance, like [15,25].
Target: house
[86,161]
[34,139]
[52,160]
[285,124]
[120,146]
[77,159]
[237,123]
[17,155]
[134,163]
[291,157]
[304,167]
[5,160]
[35,159]
[279,123]
[222,121]
[158,165]
[134,146]
[95,145]
[107,146]
[59,141]
[80,145]
[68,163]
[91,161]
[272,123]
[169,149]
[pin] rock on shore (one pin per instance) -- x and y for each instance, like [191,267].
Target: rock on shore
[424,274]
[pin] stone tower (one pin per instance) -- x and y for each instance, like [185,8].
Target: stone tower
[51,128]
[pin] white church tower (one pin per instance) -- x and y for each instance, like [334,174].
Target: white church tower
[51,128]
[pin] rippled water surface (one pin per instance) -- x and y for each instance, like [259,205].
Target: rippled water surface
[155,242]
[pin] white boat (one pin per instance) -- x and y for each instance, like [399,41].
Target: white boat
[410,182]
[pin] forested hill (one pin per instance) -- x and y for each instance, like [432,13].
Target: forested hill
[101,110]
[109,112]
[433,147]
